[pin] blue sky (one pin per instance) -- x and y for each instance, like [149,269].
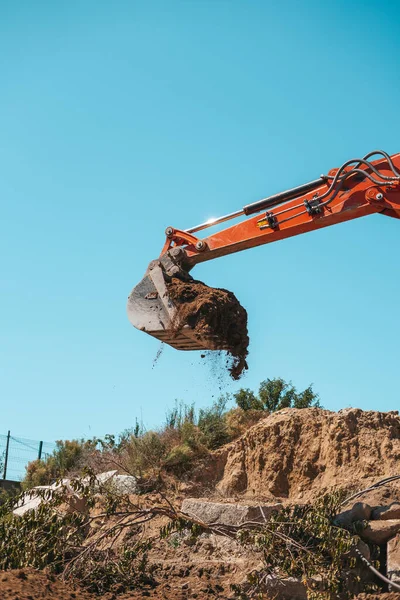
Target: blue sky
[120,118]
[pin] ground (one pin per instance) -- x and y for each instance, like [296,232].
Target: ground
[291,456]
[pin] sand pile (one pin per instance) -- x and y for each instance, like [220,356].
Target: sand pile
[297,454]
[213,313]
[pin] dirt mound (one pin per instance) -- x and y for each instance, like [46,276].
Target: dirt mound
[299,453]
[216,313]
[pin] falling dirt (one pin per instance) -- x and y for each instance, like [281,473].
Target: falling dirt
[158,355]
[218,364]
[213,312]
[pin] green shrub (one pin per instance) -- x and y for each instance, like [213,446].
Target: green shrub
[144,455]
[275,394]
[247,400]
[179,459]
[68,458]
[38,472]
[212,424]
[238,420]
[38,538]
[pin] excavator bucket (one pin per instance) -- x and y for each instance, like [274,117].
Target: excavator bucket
[151,309]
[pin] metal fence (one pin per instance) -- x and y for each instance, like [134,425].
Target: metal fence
[16,453]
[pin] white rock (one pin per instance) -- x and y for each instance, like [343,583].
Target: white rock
[118,484]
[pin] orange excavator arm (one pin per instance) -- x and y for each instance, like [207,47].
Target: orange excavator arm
[358,188]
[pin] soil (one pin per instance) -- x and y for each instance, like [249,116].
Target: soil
[215,314]
[296,454]
[203,579]
[28,584]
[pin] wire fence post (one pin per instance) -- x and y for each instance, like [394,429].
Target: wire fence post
[16,454]
[6,455]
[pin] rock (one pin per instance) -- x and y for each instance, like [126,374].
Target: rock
[29,501]
[103,478]
[359,512]
[387,512]
[380,532]
[124,484]
[393,560]
[228,514]
[119,484]
[111,481]
[32,499]
[285,589]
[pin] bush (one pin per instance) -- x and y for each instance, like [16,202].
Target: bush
[212,424]
[62,542]
[144,456]
[68,458]
[276,394]
[38,538]
[179,459]
[38,472]
[238,420]
[247,400]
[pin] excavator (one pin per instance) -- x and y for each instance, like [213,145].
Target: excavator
[358,188]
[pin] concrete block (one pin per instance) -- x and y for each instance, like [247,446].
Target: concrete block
[228,514]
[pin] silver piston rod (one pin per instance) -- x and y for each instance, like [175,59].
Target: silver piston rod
[263,204]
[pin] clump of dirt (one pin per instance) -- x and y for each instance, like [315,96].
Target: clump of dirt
[299,453]
[213,313]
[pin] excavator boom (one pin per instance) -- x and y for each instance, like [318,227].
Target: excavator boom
[358,188]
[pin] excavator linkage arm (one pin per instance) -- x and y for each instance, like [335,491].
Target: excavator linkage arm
[357,189]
